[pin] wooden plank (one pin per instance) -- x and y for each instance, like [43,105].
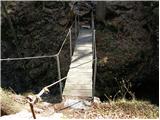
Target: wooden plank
[79,81]
[84,40]
[86,92]
[84,51]
[85,31]
[80,70]
[76,74]
[80,61]
[76,87]
[83,57]
[79,74]
[83,66]
[86,26]
[81,47]
[85,45]
[85,37]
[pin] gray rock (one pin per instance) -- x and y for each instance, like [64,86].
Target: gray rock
[76,104]
[97,100]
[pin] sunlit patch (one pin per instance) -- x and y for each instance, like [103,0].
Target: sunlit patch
[104,60]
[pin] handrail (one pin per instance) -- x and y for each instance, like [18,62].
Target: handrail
[94,53]
[45,89]
[27,58]
[95,64]
[63,43]
[92,19]
[39,57]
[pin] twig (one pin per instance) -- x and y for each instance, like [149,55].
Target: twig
[132,95]
[116,95]
[12,90]
[108,98]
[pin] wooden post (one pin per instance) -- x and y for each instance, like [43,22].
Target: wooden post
[32,110]
[95,64]
[94,39]
[92,20]
[31,106]
[70,38]
[75,26]
[59,73]
[78,25]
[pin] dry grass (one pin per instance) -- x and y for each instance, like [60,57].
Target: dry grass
[10,103]
[120,109]
[128,109]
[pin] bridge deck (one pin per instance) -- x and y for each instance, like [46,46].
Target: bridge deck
[79,78]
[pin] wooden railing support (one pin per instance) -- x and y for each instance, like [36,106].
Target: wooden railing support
[75,26]
[31,107]
[92,20]
[70,39]
[59,73]
[78,25]
[95,64]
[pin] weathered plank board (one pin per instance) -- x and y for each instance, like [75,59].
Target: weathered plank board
[79,70]
[84,92]
[78,87]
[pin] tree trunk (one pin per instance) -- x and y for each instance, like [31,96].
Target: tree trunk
[100,11]
[43,4]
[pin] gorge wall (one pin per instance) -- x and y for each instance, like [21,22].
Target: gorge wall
[127,47]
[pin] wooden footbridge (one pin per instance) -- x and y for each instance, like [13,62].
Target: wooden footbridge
[81,77]
[82,73]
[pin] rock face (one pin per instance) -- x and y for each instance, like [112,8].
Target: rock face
[127,47]
[39,32]
[82,8]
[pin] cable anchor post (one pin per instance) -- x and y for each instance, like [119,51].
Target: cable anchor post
[30,101]
[59,73]
[70,38]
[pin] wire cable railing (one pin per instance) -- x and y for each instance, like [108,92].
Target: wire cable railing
[69,34]
[94,63]
[94,53]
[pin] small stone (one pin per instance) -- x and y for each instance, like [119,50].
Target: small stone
[75,104]
[87,103]
[97,100]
